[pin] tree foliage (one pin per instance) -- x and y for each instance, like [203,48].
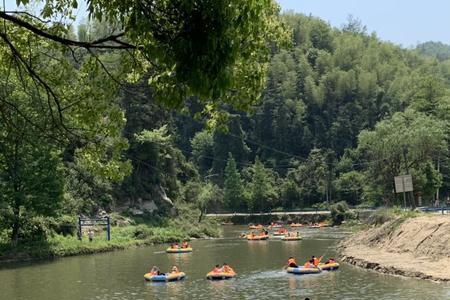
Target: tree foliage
[233,188]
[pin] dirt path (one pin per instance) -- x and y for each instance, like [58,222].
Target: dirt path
[418,247]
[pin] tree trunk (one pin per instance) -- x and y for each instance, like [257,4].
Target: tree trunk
[201,216]
[16,226]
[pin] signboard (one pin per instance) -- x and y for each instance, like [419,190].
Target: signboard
[403,183]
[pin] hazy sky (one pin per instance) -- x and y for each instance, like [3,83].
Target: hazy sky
[405,22]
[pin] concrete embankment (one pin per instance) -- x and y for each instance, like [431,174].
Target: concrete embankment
[293,216]
[416,247]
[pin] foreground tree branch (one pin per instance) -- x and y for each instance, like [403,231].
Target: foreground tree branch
[102,43]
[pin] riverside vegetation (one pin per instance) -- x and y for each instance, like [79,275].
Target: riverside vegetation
[118,115]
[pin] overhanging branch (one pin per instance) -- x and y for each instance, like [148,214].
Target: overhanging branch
[99,44]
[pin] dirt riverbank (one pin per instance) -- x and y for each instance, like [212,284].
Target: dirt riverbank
[417,247]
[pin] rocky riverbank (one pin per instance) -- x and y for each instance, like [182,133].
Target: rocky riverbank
[416,247]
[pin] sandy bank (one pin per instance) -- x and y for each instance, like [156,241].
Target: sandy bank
[418,247]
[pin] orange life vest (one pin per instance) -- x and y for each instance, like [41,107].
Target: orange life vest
[316,261]
[227,269]
[307,265]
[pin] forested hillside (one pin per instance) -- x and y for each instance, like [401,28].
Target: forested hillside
[89,128]
[342,114]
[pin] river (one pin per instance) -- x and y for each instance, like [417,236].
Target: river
[119,275]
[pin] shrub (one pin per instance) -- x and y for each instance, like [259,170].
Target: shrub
[340,212]
[65,225]
[37,229]
[142,232]
[381,216]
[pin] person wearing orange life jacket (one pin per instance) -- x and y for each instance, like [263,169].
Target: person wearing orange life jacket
[309,264]
[291,263]
[227,269]
[315,260]
[217,269]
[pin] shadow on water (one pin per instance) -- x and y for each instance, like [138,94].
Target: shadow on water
[25,255]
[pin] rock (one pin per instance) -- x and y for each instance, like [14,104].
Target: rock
[136,212]
[149,206]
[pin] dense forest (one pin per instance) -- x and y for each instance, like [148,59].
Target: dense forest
[341,113]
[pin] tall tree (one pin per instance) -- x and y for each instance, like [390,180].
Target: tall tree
[262,187]
[406,143]
[233,189]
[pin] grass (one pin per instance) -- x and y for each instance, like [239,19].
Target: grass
[142,233]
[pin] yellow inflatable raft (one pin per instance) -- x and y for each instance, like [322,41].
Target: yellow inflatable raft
[179,250]
[257,237]
[329,267]
[220,276]
[258,227]
[165,277]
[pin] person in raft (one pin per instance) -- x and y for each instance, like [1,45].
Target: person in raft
[309,264]
[217,269]
[227,269]
[291,263]
[174,246]
[264,232]
[174,270]
[330,261]
[315,261]
[185,245]
[155,271]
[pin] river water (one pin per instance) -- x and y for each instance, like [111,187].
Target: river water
[119,275]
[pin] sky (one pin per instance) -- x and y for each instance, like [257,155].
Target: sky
[404,22]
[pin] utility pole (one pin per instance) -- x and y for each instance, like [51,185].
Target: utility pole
[438,169]
[411,195]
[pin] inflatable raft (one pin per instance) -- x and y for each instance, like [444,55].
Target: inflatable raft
[280,232]
[329,267]
[179,250]
[165,277]
[296,225]
[256,227]
[291,238]
[275,226]
[302,270]
[220,276]
[257,237]
[319,225]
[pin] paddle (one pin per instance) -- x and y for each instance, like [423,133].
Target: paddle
[320,258]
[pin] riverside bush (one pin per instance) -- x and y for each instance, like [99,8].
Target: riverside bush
[340,212]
